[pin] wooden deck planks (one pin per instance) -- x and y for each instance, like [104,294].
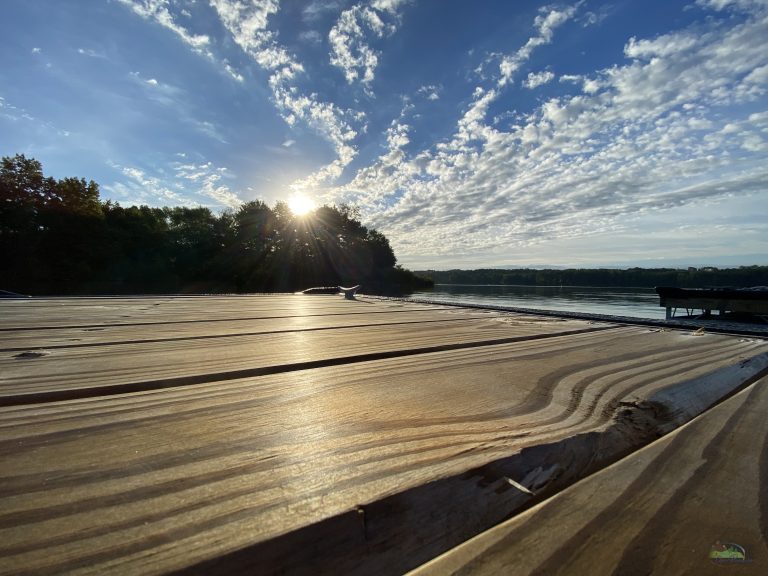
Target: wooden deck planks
[159,480]
[78,337]
[658,511]
[69,312]
[159,359]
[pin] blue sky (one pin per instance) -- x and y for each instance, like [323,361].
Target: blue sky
[471,133]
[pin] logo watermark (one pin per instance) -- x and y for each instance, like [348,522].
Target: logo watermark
[728,553]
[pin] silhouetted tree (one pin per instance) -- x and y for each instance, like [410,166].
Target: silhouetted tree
[58,237]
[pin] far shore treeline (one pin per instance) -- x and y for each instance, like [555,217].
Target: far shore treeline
[58,237]
[744,276]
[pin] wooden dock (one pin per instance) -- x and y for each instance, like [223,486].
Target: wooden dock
[745,301]
[666,509]
[318,435]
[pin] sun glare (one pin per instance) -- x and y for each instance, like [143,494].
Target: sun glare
[300,204]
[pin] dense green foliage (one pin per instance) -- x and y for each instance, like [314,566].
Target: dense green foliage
[57,237]
[632,277]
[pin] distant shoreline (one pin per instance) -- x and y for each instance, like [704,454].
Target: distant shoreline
[713,326]
[742,276]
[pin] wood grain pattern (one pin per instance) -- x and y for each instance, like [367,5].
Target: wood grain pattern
[363,466]
[139,359]
[80,337]
[75,312]
[658,511]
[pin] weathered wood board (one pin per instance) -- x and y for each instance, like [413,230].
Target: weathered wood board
[157,331]
[75,312]
[665,509]
[341,466]
[107,367]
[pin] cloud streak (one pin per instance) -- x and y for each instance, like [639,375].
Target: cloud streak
[350,49]
[203,181]
[159,11]
[579,123]
[248,26]
[639,137]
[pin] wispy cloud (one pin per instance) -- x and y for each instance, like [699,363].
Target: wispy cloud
[160,11]
[248,26]
[159,92]
[139,188]
[430,92]
[316,9]
[91,53]
[546,23]
[594,18]
[209,177]
[15,113]
[311,37]
[536,79]
[203,181]
[639,137]
[583,121]
[350,50]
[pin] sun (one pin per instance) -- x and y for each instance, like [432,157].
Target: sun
[300,204]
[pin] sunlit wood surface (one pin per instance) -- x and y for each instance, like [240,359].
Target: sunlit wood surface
[368,428]
[661,510]
[158,344]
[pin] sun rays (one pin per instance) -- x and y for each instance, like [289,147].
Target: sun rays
[300,204]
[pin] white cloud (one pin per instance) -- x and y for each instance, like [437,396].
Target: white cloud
[209,129]
[140,188]
[90,53]
[232,72]
[36,50]
[159,11]
[199,180]
[159,92]
[666,45]
[644,136]
[753,142]
[759,119]
[594,18]
[15,113]
[348,38]
[316,9]
[546,23]
[248,26]
[430,92]
[220,193]
[758,75]
[536,79]
[740,5]
[311,37]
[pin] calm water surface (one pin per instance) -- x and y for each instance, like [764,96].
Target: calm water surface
[634,302]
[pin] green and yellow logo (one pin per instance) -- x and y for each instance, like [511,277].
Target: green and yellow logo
[727,553]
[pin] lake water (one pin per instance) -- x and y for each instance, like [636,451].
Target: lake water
[633,302]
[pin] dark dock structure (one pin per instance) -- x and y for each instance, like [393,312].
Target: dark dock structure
[750,301]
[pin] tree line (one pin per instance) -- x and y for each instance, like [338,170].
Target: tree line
[632,277]
[58,237]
